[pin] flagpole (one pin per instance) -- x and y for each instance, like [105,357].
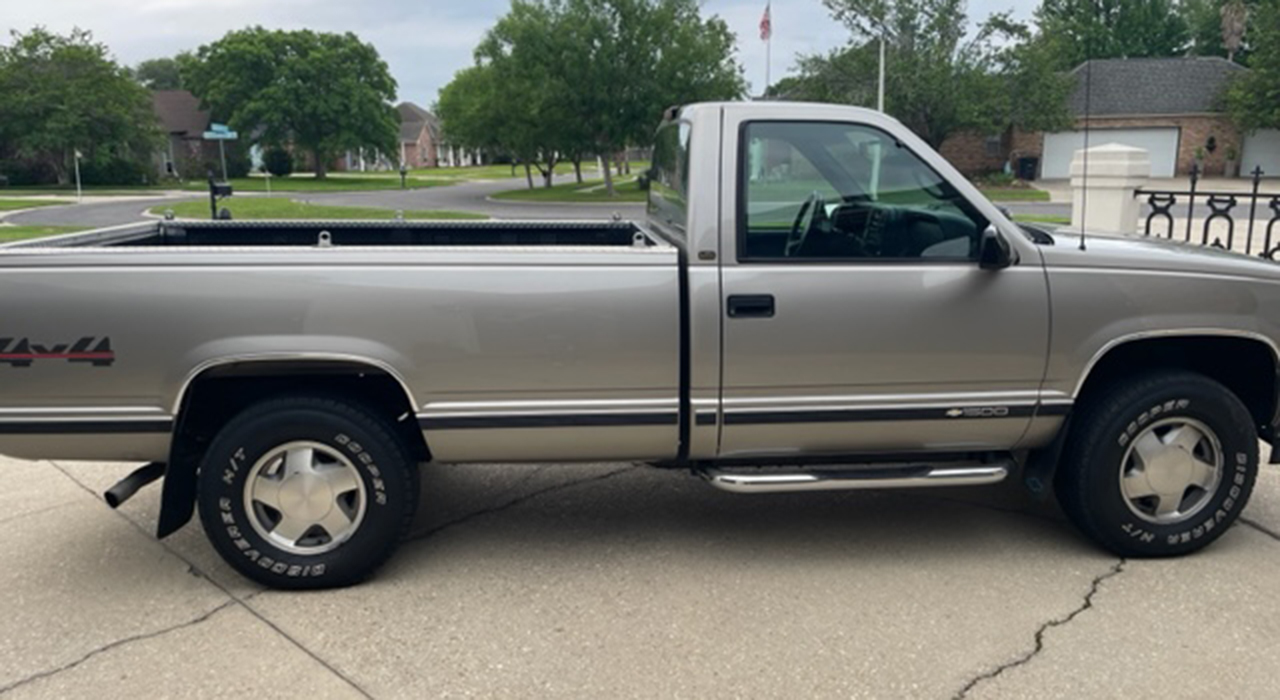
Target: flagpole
[768,47]
[880,88]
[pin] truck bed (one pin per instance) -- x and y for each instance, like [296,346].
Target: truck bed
[355,233]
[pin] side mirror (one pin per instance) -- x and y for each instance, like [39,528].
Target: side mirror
[643,180]
[995,253]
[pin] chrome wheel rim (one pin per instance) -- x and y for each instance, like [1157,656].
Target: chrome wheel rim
[305,497]
[1171,470]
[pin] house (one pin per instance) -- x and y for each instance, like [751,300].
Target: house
[1171,107]
[184,124]
[419,136]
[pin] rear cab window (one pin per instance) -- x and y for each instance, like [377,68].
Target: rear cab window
[668,201]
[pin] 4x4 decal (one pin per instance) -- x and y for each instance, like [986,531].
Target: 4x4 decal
[91,349]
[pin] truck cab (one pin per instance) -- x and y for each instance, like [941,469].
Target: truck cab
[839,298]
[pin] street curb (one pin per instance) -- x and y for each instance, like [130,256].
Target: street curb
[517,202]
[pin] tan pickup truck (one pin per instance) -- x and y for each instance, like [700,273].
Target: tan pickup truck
[816,301]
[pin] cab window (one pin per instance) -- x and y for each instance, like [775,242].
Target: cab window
[828,191]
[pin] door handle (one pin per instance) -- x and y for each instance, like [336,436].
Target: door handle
[751,306]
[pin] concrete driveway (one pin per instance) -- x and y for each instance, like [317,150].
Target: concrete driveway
[623,581]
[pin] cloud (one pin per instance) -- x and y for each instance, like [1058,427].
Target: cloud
[423,41]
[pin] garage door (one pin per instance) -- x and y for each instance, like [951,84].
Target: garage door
[1261,150]
[1161,143]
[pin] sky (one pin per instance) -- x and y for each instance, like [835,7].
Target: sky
[423,41]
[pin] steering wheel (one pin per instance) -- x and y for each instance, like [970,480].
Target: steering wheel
[816,210]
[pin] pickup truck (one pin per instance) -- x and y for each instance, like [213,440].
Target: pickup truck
[816,300]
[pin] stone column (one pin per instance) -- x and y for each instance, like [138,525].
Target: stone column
[1115,171]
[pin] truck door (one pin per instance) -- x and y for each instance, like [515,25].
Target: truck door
[856,316]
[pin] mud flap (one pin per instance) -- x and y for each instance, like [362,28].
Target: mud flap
[178,497]
[1043,464]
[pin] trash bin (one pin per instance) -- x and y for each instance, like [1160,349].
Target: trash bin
[1027,167]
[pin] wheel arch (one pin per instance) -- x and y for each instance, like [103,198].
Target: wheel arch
[1248,364]
[218,390]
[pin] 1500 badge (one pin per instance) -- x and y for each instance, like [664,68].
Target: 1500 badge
[91,349]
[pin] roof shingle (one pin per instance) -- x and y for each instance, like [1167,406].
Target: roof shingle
[1150,86]
[179,112]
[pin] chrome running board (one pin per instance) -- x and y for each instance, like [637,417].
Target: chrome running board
[778,481]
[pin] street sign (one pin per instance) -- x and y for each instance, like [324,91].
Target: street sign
[220,132]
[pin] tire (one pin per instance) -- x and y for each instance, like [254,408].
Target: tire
[307,492]
[1158,433]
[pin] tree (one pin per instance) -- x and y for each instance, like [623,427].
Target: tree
[987,83]
[321,93]
[1253,98]
[158,74]
[1077,30]
[529,91]
[1221,27]
[64,93]
[568,78]
[635,58]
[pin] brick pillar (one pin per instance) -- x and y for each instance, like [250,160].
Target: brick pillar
[1115,171]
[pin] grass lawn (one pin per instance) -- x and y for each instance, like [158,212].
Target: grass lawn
[1014,194]
[9,234]
[282,208]
[94,190]
[16,204]
[306,183]
[478,172]
[1042,219]
[589,191]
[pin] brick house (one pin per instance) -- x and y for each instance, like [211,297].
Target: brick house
[184,124]
[419,136]
[1169,106]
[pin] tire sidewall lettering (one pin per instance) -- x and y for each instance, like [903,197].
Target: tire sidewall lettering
[1213,516]
[234,475]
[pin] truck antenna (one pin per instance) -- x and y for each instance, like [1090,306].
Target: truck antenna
[1084,175]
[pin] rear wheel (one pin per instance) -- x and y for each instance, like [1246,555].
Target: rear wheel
[1160,465]
[307,492]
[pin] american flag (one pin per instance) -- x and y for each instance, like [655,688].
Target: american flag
[766,24]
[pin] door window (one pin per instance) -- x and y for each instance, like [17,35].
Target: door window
[827,191]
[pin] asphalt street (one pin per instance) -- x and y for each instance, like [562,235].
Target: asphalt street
[615,580]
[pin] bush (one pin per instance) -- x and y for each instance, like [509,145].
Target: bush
[238,163]
[113,170]
[999,179]
[278,162]
[20,173]
[198,163]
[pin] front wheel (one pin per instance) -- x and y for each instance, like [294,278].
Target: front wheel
[1160,465]
[307,492]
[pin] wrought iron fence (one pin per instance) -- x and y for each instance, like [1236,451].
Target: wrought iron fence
[1221,206]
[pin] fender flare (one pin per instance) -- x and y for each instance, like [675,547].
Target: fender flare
[179,490]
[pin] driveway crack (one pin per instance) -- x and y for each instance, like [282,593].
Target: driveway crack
[1261,528]
[1086,604]
[195,571]
[115,645]
[518,500]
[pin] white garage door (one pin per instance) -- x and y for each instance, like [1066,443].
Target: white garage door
[1261,150]
[1060,148]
